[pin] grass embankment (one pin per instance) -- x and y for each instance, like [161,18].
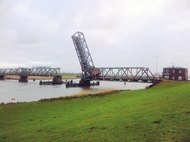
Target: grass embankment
[161,113]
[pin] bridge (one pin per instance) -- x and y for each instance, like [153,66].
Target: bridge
[90,72]
[126,74]
[25,72]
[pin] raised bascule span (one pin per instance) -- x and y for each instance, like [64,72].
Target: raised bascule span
[90,72]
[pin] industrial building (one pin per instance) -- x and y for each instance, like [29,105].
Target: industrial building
[175,73]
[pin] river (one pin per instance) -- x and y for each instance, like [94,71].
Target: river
[13,91]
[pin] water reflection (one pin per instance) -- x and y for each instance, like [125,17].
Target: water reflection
[13,91]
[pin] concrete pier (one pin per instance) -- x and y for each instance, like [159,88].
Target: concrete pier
[23,78]
[2,76]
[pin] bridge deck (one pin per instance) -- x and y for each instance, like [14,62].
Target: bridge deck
[126,74]
[38,71]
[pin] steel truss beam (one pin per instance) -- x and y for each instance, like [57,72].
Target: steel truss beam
[126,74]
[83,53]
[35,71]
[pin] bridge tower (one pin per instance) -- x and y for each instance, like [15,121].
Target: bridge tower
[89,72]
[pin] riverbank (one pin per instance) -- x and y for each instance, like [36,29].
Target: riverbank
[161,113]
[16,77]
[84,94]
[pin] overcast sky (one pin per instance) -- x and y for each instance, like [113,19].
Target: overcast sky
[119,33]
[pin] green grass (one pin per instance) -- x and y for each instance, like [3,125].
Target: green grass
[70,75]
[161,113]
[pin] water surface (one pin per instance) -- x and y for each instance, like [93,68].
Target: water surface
[14,91]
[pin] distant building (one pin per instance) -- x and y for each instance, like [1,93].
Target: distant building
[175,73]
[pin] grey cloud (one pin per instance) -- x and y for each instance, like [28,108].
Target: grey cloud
[119,33]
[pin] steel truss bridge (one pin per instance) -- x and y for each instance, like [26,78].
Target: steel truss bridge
[35,71]
[126,74]
[90,72]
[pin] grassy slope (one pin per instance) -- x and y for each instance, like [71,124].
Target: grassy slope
[161,113]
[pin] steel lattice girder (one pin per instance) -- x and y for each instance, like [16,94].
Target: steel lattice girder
[37,71]
[126,74]
[83,53]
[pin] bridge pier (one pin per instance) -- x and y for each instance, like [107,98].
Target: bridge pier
[23,78]
[81,84]
[2,77]
[84,82]
[57,79]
